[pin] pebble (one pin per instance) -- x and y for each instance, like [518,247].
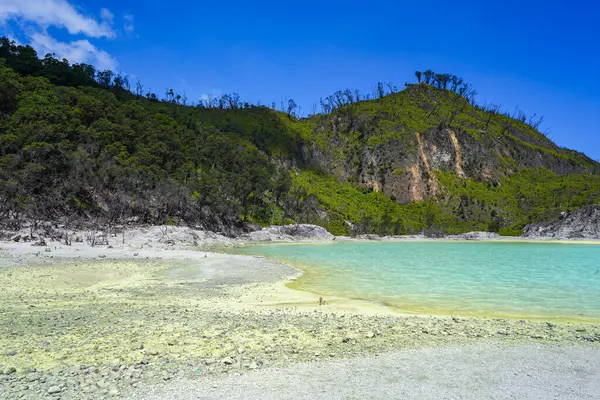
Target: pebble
[227,361]
[370,335]
[54,389]
[10,353]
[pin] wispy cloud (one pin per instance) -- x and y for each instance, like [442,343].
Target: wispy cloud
[128,25]
[35,17]
[212,94]
[57,13]
[107,16]
[78,51]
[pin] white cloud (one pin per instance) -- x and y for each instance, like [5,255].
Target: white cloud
[212,94]
[36,16]
[128,25]
[78,51]
[57,13]
[107,16]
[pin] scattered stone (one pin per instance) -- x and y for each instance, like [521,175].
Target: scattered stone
[370,335]
[10,370]
[10,353]
[54,389]
[537,337]
[227,361]
[253,365]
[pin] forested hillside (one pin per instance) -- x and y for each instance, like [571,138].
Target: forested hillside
[84,146]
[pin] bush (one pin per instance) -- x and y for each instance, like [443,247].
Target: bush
[510,232]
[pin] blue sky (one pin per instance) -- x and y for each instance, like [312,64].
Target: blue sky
[542,56]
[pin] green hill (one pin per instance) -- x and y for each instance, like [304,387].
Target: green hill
[78,144]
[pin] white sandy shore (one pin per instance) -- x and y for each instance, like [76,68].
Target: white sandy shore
[149,310]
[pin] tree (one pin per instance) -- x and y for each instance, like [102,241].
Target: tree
[380,90]
[291,108]
[139,89]
[170,96]
[105,78]
[418,75]
[429,74]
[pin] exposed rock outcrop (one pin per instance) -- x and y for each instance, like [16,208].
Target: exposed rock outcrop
[581,223]
[289,233]
[475,236]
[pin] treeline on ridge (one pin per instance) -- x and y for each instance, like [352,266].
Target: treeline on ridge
[78,144]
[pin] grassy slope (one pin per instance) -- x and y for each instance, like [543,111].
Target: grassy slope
[212,158]
[521,196]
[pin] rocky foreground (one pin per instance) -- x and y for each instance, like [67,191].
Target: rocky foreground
[467,372]
[141,310]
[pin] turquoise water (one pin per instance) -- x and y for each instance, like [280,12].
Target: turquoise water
[521,280]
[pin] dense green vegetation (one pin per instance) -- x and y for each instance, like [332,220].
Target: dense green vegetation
[78,144]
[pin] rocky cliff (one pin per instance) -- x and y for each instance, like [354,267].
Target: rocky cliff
[581,223]
[397,144]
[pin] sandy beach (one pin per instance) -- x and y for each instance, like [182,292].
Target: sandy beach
[140,317]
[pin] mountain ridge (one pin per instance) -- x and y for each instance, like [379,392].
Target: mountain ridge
[79,145]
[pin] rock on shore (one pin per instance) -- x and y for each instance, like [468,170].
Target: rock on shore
[582,223]
[474,236]
[289,233]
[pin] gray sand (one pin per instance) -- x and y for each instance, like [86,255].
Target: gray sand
[482,371]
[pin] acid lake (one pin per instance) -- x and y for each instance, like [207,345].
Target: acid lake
[553,281]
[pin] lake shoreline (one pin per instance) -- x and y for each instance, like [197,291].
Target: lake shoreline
[81,321]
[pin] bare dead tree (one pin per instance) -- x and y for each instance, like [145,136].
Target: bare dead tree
[164,230]
[90,238]
[139,89]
